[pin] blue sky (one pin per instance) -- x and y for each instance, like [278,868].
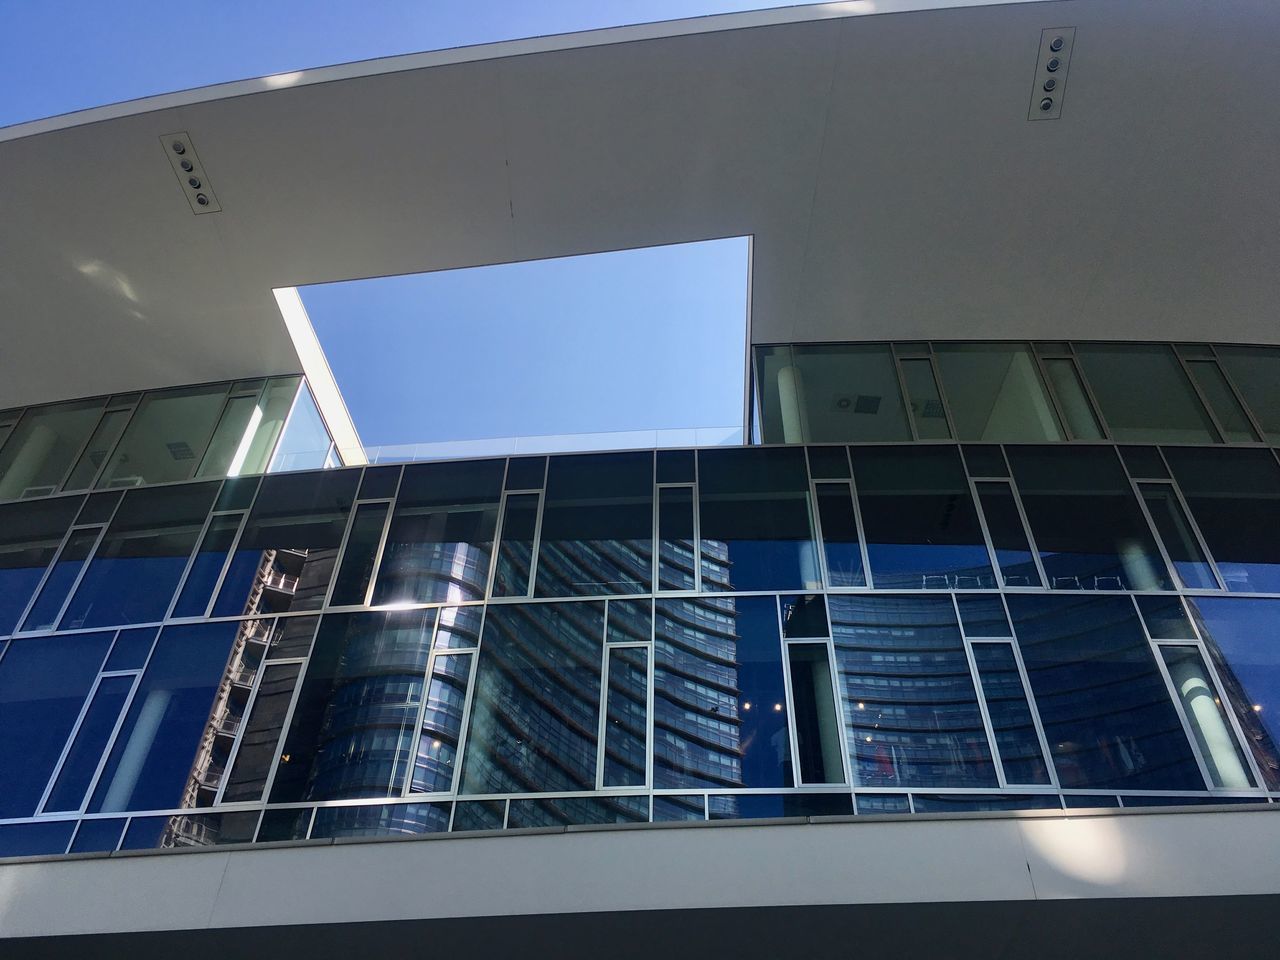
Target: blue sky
[639,340]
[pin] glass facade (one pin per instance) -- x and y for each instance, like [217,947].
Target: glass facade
[874,628]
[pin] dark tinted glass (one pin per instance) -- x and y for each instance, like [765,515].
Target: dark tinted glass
[870,804]
[537,699]
[291,637]
[1144,463]
[43,685]
[626,717]
[1086,521]
[157,762]
[287,824]
[1090,801]
[1011,721]
[75,553]
[927,412]
[1165,618]
[910,708]
[1256,373]
[379,483]
[190,830]
[670,808]
[719,700]
[35,839]
[437,753]
[577,810]
[526,473]
[90,741]
[1240,636]
[1106,710]
[30,534]
[676,553]
[1202,706]
[1234,496]
[1144,393]
[479,815]
[1222,401]
[459,628]
[97,836]
[840,542]
[984,460]
[975,802]
[386,820]
[755,504]
[675,466]
[290,542]
[1180,541]
[237,493]
[761,806]
[353,731]
[804,617]
[359,555]
[995,393]
[140,560]
[257,748]
[982,615]
[630,621]
[207,565]
[920,523]
[817,718]
[1008,535]
[597,526]
[98,508]
[828,463]
[515,553]
[441,536]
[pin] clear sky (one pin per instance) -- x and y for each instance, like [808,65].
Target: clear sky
[633,341]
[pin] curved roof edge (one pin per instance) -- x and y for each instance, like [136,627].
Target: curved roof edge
[606,36]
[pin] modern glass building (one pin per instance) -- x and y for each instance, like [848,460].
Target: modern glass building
[972,650]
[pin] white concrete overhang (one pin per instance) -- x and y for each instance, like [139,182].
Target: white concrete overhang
[878,153]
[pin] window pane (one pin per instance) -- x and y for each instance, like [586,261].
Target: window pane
[437,756]
[1010,714]
[982,615]
[248,777]
[1104,705]
[829,463]
[537,699]
[830,393]
[910,708]
[515,553]
[1165,618]
[1086,521]
[573,810]
[719,700]
[804,617]
[626,730]
[290,544]
[157,762]
[98,836]
[676,553]
[840,540]
[669,808]
[43,685]
[921,526]
[91,740]
[1227,766]
[630,621]
[479,815]
[189,830]
[354,730]
[44,614]
[359,554]
[1008,536]
[1144,463]
[1076,407]
[597,526]
[1144,394]
[100,444]
[274,404]
[385,820]
[926,404]
[1256,373]
[207,565]
[230,444]
[1240,635]
[132,577]
[35,839]
[43,446]
[817,720]
[995,392]
[1234,496]
[755,504]
[166,437]
[676,466]
[377,483]
[1189,561]
[759,806]
[305,443]
[1231,416]
[30,534]
[441,536]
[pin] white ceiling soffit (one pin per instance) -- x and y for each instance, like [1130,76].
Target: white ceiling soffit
[884,166]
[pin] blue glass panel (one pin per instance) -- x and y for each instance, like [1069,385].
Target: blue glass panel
[1011,720]
[1165,618]
[1008,535]
[1090,801]
[354,727]
[156,763]
[597,526]
[44,613]
[437,755]
[1241,636]
[131,649]
[719,699]
[359,555]
[35,839]
[676,546]
[910,707]
[459,627]
[760,806]
[840,541]
[626,717]
[190,830]
[883,803]
[804,617]
[207,566]
[918,517]
[385,820]
[974,802]
[1086,521]
[676,807]
[754,505]
[563,811]
[30,534]
[515,555]
[289,824]
[983,615]
[257,751]
[478,815]
[536,705]
[91,740]
[43,686]
[1234,496]
[132,577]
[1106,710]
[98,836]
[441,536]
[630,621]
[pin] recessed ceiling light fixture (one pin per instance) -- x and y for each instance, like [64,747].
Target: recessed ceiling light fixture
[190,173]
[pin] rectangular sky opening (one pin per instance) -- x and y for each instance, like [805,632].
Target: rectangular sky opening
[605,351]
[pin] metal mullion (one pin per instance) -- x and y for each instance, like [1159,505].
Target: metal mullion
[1031,699]
[697,523]
[1236,392]
[1175,577]
[651,680]
[942,393]
[986,534]
[981,694]
[284,427]
[66,748]
[48,572]
[191,562]
[84,446]
[1026,528]
[234,754]
[1052,394]
[537,542]
[796,776]
[656,565]
[340,556]
[432,656]
[820,538]
[245,514]
[857,519]
[464,729]
[601,726]
[285,724]
[1195,529]
[902,389]
[71,591]
[379,551]
[1204,401]
[1088,392]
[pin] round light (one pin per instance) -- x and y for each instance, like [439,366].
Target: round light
[178,148]
[1056,44]
[1046,103]
[202,199]
[1050,84]
[187,165]
[1053,65]
[194,182]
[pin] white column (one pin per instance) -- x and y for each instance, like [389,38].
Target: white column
[791,401]
[1212,733]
